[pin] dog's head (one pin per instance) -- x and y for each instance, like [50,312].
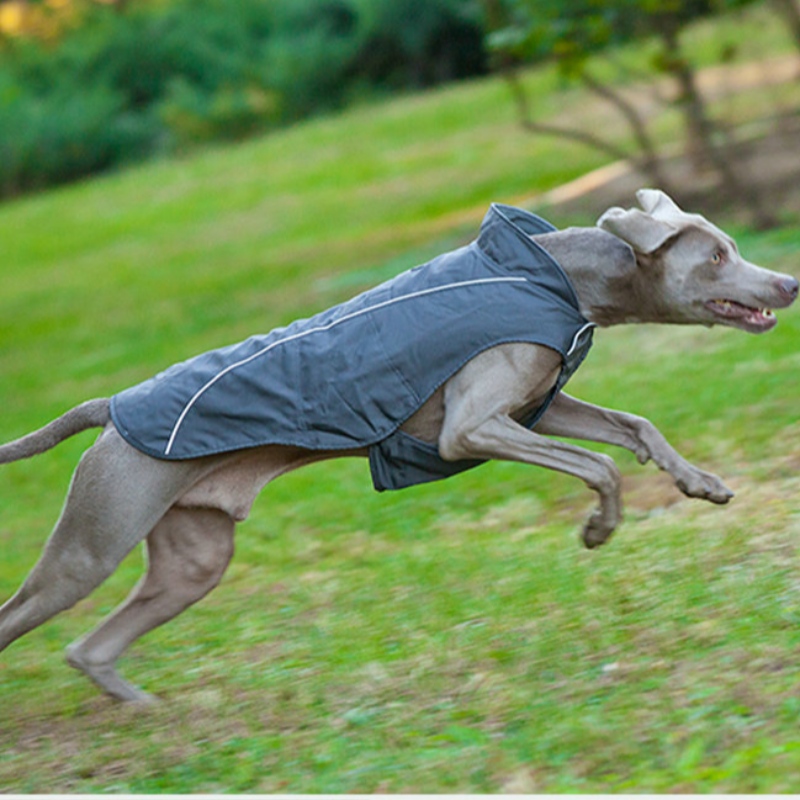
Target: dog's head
[697,267]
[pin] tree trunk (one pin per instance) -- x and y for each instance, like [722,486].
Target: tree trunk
[705,149]
[649,163]
[790,11]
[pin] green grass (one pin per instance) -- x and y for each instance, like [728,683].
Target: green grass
[452,637]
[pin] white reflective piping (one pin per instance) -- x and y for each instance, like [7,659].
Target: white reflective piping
[199,393]
[578,335]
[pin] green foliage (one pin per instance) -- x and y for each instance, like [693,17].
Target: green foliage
[62,134]
[161,77]
[306,64]
[420,42]
[192,115]
[568,33]
[544,30]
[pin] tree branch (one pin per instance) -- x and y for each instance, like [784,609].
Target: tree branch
[650,161]
[523,111]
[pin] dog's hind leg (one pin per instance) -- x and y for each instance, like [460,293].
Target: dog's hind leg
[116,497]
[188,552]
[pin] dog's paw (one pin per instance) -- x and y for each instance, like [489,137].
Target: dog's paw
[705,486]
[596,531]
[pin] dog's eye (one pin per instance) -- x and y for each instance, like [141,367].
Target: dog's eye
[716,259]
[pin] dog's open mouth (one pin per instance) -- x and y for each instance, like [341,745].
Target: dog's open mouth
[756,320]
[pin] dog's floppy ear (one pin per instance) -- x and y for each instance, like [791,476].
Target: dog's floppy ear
[657,203]
[642,232]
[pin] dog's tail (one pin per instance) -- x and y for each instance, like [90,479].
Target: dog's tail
[91,414]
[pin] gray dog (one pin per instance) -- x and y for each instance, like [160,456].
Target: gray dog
[436,371]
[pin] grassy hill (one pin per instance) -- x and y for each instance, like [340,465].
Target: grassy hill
[453,637]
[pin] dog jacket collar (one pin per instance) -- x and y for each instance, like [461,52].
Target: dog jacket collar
[350,376]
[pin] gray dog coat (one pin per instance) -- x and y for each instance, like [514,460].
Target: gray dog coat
[350,376]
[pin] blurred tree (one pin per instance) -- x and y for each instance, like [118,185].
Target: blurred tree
[47,20]
[569,34]
[153,76]
[417,43]
[789,10]
[546,30]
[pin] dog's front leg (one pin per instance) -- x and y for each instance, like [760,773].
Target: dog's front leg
[500,437]
[567,416]
[480,403]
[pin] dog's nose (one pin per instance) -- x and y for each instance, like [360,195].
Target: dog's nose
[788,287]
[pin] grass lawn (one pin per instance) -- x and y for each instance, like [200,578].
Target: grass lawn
[451,637]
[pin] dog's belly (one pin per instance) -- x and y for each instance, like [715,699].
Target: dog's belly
[233,486]
[426,422]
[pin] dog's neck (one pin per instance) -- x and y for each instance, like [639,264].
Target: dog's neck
[612,288]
